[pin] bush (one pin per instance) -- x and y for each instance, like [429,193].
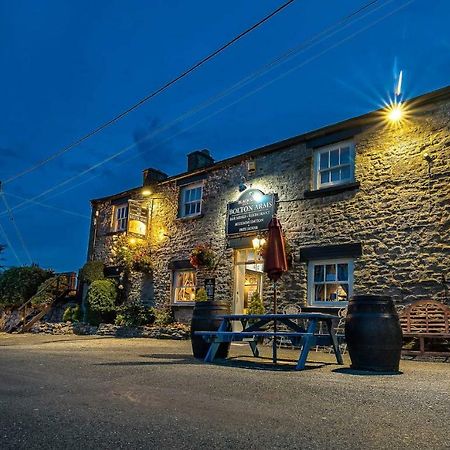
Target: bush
[49,290]
[67,316]
[18,284]
[163,316]
[255,305]
[92,271]
[134,314]
[102,295]
[76,313]
[201,296]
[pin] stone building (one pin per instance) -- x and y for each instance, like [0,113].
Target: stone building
[364,204]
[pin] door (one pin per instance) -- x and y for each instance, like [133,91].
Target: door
[248,276]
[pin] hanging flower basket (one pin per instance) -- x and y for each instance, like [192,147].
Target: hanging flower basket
[202,256]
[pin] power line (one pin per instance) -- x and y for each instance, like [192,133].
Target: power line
[9,245]
[19,234]
[303,63]
[274,63]
[151,95]
[46,205]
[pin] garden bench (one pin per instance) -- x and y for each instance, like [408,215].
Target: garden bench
[425,319]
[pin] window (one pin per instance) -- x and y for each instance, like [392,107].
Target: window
[330,283]
[334,165]
[184,286]
[191,200]
[120,217]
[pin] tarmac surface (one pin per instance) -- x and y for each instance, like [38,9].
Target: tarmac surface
[83,392]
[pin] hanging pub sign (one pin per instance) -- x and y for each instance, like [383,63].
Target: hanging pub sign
[137,218]
[252,212]
[210,287]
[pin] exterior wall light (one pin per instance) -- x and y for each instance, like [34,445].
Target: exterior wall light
[132,241]
[257,243]
[395,112]
[146,192]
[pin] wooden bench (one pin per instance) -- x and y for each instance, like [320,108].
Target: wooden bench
[425,319]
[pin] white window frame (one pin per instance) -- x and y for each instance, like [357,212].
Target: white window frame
[182,203]
[118,222]
[329,149]
[174,287]
[311,283]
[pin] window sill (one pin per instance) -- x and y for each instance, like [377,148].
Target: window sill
[112,233]
[183,304]
[187,218]
[332,190]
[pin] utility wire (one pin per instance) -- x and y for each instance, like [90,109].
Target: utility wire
[9,245]
[19,234]
[286,56]
[46,205]
[152,94]
[303,63]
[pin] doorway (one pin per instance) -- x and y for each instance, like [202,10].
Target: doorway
[248,279]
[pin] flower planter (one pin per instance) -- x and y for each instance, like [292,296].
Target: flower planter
[205,317]
[373,333]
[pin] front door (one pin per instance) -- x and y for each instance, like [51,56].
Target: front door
[248,276]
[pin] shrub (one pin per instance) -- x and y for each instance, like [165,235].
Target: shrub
[92,271]
[18,284]
[76,313]
[134,314]
[255,305]
[67,316]
[163,316]
[201,296]
[101,296]
[49,290]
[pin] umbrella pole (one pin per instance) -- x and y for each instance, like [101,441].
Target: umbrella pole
[274,343]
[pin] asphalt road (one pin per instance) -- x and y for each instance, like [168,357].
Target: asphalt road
[78,392]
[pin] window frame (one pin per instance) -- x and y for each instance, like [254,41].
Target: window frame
[182,203]
[311,283]
[174,288]
[116,220]
[328,149]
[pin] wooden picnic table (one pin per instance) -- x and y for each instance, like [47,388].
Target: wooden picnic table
[253,327]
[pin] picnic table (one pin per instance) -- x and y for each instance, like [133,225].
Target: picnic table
[254,326]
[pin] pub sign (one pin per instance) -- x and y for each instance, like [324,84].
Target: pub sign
[252,212]
[137,219]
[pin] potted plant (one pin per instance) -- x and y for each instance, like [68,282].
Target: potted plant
[206,317]
[202,256]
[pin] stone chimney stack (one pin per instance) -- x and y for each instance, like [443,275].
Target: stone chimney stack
[152,176]
[199,159]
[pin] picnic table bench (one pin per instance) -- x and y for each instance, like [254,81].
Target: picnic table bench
[425,319]
[252,324]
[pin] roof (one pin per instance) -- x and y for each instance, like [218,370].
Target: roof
[354,122]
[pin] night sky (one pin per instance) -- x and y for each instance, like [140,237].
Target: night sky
[69,66]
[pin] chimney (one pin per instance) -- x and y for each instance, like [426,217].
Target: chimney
[199,159]
[152,176]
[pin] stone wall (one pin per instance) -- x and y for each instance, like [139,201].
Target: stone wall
[400,213]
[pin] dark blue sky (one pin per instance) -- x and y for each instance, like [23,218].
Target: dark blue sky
[69,66]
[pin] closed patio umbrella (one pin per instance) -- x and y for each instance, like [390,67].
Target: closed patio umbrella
[275,264]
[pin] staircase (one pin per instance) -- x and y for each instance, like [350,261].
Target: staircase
[29,314]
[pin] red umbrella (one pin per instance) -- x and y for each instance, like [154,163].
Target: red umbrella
[275,264]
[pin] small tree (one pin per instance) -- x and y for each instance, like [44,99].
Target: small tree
[19,284]
[255,305]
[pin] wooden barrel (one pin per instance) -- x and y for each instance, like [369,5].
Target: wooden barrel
[205,317]
[373,333]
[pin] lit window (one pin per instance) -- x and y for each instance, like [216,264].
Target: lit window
[184,286]
[120,217]
[191,200]
[334,165]
[330,282]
